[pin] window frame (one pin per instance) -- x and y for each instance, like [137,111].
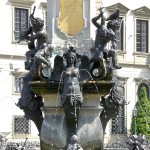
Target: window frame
[23,4]
[122,30]
[14,75]
[13,19]
[147,86]
[138,83]
[27,19]
[23,135]
[147,36]
[142,13]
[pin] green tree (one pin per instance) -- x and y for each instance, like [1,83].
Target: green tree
[143,114]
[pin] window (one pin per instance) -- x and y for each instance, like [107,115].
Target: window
[21,21]
[119,35]
[21,125]
[17,83]
[20,11]
[142,36]
[146,85]
[118,123]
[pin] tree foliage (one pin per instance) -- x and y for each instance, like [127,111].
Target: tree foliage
[143,114]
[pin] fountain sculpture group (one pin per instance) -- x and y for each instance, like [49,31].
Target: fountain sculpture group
[77,95]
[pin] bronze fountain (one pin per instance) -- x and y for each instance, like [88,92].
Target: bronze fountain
[71,102]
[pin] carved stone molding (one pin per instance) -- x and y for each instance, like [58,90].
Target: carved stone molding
[44,5]
[141,54]
[142,12]
[24,3]
[123,79]
[122,8]
[141,80]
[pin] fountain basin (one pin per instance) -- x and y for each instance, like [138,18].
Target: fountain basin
[53,131]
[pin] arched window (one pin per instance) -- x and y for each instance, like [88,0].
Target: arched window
[146,85]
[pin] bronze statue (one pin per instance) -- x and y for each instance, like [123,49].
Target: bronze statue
[30,55]
[71,95]
[112,102]
[71,76]
[103,36]
[71,79]
[74,144]
[29,101]
[36,32]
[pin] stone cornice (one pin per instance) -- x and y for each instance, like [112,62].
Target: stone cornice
[18,72]
[141,54]
[141,80]
[122,8]
[134,65]
[8,56]
[142,12]
[22,3]
[123,79]
[44,5]
[119,52]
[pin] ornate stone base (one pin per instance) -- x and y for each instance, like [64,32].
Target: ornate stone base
[90,131]
[53,131]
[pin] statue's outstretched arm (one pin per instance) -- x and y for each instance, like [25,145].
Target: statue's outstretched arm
[94,20]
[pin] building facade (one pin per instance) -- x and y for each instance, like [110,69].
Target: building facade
[133,54]
[15,14]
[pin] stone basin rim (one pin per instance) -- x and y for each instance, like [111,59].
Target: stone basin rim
[83,108]
[83,82]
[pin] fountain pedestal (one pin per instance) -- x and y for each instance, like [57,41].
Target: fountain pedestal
[54,131]
[77,111]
